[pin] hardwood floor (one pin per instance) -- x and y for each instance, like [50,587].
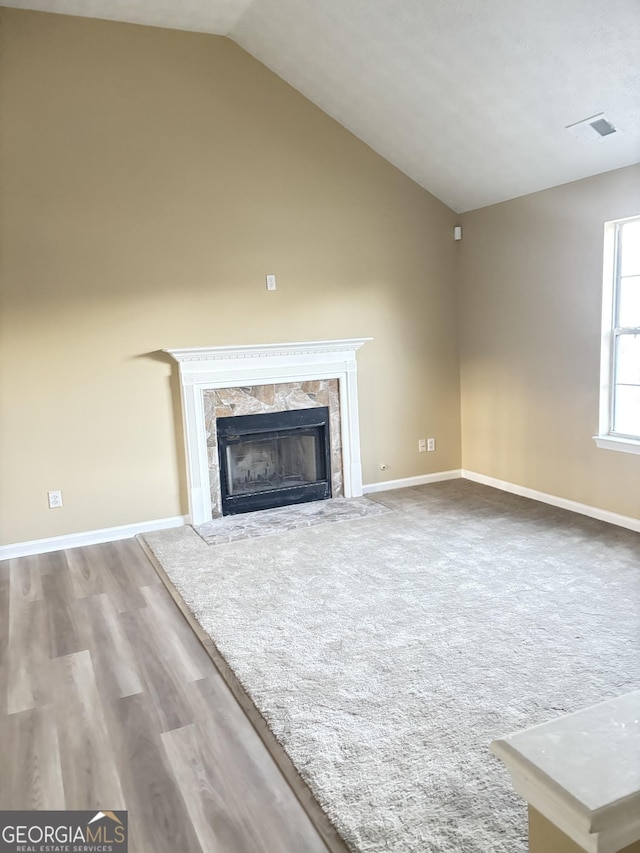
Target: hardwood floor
[110,701]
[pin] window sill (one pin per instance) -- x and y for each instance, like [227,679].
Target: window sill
[610,442]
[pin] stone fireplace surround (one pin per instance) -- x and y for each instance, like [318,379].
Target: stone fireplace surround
[240,380]
[261,399]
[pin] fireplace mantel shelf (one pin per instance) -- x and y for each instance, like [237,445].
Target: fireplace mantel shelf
[265,350]
[203,368]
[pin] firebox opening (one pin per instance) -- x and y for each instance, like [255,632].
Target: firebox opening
[274,459]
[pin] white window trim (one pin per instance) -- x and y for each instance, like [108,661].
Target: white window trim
[605,438]
[610,442]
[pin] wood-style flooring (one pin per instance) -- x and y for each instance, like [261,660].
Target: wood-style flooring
[108,700]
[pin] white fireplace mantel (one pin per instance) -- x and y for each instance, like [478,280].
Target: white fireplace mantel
[205,368]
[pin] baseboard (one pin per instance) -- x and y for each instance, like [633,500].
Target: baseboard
[404,483]
[128,531]
[573,506]
[89,537]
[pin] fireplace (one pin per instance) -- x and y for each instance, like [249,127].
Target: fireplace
[250,376]
[274,459]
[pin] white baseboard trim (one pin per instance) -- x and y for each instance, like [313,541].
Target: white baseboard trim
[89,537]
[128,531]
[573,506]
[404,483]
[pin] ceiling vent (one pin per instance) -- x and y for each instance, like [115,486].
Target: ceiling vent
[594,127]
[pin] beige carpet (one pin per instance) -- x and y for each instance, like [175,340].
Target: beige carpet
[386,653]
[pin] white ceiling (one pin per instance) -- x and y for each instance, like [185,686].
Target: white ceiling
[469,98]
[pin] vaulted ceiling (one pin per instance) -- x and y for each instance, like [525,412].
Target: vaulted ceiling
[470,98]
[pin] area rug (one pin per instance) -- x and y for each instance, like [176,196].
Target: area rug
[273,522]
[386,653]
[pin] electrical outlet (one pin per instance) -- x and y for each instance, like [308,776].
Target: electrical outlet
[55,499]
[422,445]
[271,282]
[431,444]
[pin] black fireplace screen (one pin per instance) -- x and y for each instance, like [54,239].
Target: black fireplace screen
[274,459]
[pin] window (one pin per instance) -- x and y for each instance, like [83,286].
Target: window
[620,366]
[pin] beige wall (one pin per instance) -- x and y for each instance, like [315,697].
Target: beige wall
[150,179]
[531,285]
